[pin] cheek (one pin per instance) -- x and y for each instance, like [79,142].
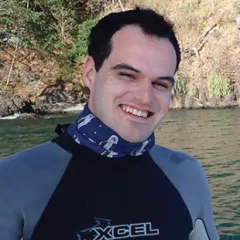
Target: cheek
[115,88]
[104,93]
[163,100]
[106,84]
[98,88]
[96,94]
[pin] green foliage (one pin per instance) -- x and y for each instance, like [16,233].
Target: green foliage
[218,86]
[39,29]
[51,24]
[193,91]
[5,19]
[78,50]
[5,15]
[180,85]
[44,24]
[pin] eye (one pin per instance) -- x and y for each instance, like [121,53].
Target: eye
[127,75]
[161,85]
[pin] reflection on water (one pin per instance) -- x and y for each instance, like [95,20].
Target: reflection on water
[212,136]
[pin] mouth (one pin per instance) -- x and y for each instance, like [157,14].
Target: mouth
[136,112]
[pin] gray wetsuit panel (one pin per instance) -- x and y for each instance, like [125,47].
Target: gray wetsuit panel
[189,178]
[27,181]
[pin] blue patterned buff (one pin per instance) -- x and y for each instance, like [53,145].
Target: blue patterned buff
[89,131]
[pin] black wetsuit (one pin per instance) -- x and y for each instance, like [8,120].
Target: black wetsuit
[61,190]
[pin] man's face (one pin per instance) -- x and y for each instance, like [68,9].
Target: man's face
[131,93]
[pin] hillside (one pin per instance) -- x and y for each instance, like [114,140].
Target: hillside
[41,74]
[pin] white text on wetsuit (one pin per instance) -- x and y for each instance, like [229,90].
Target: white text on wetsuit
[125,231]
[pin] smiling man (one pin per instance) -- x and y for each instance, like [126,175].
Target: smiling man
[104,177]
[131,91]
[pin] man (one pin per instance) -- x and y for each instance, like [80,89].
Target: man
[103,177]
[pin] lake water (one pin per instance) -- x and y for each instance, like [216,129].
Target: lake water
[212,136]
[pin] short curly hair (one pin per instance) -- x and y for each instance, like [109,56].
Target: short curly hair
[149,21]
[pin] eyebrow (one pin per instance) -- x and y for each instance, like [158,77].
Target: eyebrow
[125,66]
[129,67]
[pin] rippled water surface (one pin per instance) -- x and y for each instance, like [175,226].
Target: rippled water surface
[212,136]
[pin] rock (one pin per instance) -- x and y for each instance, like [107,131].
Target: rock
[53,97]
[204,95]
[29,78]
[46,108]
[8,36]
[15,104]
[224,102]
[237,91]
[213,102]
[177,102]
[29,116]
[83,95]
[229,101]
[4,109]
[192,102]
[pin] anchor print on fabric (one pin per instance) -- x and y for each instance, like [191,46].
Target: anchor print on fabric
[108,144]
[141,150]
[85,120]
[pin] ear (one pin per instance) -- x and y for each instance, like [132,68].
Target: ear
[89,72]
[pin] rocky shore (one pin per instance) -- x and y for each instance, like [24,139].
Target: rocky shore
[14,105]
[202,99]
[19,107]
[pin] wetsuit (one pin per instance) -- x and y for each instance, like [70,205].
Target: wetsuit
[60,190]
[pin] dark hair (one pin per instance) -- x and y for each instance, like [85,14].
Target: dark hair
[148,20]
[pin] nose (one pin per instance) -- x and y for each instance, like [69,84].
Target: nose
[144,93]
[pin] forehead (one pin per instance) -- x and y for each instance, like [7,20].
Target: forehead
[149,54]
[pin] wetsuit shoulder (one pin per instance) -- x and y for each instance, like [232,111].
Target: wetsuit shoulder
[189,178]
[27,180]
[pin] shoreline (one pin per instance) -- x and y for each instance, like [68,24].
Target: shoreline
[65,109]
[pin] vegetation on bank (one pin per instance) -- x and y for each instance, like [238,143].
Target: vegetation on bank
[44,42]
[58,28]
[218,86]
[180,85]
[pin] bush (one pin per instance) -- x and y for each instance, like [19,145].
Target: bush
[79,47]
[218,86]
[39,29]
[193,91]
[180,85]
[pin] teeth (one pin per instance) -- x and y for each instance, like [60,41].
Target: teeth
[135,112]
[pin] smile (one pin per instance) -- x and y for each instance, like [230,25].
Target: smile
[134,111]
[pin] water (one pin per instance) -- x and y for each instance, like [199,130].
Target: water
[212,136]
